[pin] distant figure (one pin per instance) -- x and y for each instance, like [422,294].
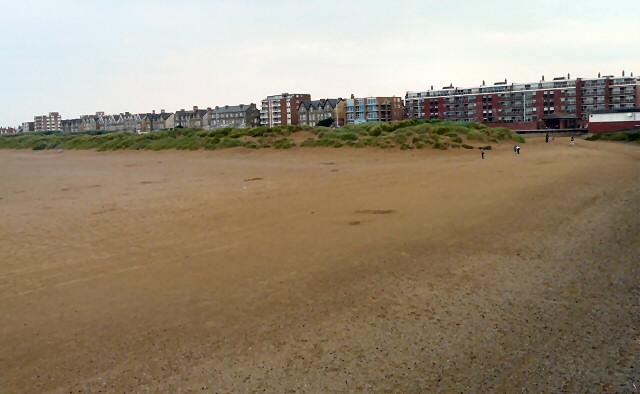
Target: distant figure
[482,152]
[573,141]
[546,138]
[517,149]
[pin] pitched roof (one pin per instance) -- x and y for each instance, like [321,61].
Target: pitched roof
[232,108]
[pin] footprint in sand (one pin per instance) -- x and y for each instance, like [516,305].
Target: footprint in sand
[252,179]
[376,211]
[370,212]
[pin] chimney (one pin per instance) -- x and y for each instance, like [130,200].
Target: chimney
[505,80]
[209,109]
[450,85]
[195,108]
[623,73]
[181,109]
[483,82]
[162,111]
[543,78]
[217,107]
[153,111]
[226,107]
[568,76]
[241,106]
[352,96]
[431,87]
[598,75]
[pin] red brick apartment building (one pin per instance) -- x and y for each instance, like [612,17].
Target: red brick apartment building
[281,109]
[560,103]
[374,109]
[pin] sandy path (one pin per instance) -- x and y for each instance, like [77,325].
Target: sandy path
[321,270]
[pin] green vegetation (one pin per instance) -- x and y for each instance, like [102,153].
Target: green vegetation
[619,136]
[405,135]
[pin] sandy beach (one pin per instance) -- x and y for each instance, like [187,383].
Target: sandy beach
[321,270]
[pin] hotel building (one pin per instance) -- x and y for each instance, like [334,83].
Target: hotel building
[51,122]
[560,103]
[374,109]
[281,109]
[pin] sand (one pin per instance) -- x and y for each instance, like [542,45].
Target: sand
[321,270]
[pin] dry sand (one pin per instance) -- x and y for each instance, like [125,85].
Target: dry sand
[321,270]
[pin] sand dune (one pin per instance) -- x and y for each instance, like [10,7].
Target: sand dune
[321,270]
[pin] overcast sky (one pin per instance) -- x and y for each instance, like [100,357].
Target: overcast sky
[82,56]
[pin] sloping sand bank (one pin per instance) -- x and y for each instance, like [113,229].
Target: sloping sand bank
[321,270]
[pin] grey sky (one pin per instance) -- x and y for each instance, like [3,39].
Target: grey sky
[81,56]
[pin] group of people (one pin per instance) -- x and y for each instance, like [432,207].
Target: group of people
[572,143]
[516,148]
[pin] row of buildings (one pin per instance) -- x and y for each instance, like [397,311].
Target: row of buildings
[227,116]
[560,103]
[298,109]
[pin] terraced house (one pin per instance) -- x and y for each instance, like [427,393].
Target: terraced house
[198,118]
[91,122]
[374,109]
[310,112]
[156,122]
[240,116]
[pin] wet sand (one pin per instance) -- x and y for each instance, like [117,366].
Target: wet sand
[321,270]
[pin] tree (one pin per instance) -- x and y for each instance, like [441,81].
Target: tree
[325,122]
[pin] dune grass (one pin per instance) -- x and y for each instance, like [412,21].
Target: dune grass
[405,134]
[621,136]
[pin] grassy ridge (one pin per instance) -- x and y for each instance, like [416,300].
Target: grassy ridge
[406,134]
[616,136]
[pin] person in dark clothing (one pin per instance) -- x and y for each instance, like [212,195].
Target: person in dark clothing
[546,138]
[517,149]
[482,153]
[514,148]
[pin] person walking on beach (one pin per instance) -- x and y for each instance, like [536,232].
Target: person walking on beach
[517,149]
[514,148]
[573,141]
[482,153]
[546,138]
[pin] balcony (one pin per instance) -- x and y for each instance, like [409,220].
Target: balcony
[587,84]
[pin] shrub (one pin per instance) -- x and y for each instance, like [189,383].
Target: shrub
[39,145]
[400,138]
[283,143]
[440,145]
[348,136]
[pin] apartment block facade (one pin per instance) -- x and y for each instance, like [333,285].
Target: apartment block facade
[240,116]
[310,112]
[374,109]
[71,125]
[28,127]
[562,102]
[51,122]
[281,109]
